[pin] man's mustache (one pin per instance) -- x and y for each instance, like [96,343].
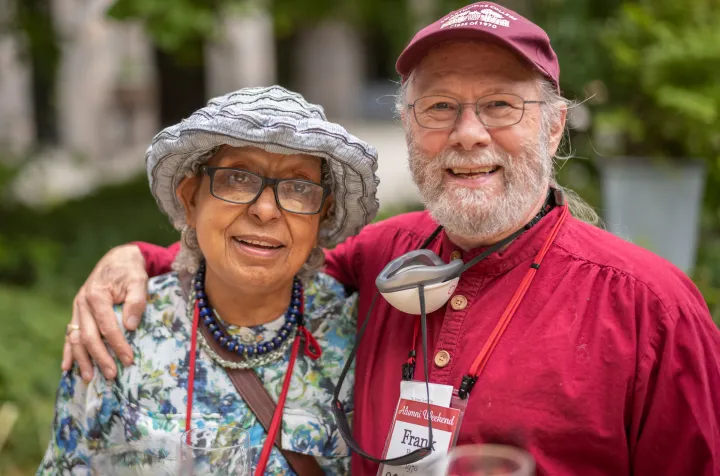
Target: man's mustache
[455,158]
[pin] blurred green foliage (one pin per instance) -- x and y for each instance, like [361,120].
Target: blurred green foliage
[647,67]
[56,248]
[50,253]
[30,346]
[664,99]
[664,93]
[176,25]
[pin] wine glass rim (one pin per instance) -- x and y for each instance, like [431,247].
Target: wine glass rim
[524,460]
[244,439]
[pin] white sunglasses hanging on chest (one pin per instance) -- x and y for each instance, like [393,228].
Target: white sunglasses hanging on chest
[400,281]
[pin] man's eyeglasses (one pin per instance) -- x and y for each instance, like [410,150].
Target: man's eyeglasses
[494,110]
[243,187]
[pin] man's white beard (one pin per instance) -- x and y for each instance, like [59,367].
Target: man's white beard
[484,213]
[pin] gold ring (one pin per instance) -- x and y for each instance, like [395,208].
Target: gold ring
[72,327]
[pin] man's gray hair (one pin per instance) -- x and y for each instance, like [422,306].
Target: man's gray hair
[550,114]
[189,257]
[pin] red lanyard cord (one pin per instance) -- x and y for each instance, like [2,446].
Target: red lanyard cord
[408,368]
[484,356]
[311,349]
[277,415]
[191,372]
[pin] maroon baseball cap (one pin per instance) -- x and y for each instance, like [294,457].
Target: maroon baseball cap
[485,21]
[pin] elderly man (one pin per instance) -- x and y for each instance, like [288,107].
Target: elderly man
[607,362]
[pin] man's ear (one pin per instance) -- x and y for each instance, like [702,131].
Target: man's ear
[556,133]
[186,194]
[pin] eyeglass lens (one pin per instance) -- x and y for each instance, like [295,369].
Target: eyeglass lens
[237,186]
[497,110]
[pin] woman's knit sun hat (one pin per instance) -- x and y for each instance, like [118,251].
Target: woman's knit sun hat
[279,121]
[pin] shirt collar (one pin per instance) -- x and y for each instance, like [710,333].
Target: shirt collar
[523,248]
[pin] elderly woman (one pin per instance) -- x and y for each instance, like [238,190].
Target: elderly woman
[257,181]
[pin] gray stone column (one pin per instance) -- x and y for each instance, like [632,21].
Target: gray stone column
[329,68]
[244,54]
[17,129]
[86,73]
[105,87]
[134,101]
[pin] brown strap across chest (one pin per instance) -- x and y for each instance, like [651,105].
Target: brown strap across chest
[253,392]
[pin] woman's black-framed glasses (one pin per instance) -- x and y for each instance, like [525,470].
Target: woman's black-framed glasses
[494,110]
[243,187]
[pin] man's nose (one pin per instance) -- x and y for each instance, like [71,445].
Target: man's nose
[469,131]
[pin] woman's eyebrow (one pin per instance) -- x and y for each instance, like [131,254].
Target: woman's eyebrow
[299,163]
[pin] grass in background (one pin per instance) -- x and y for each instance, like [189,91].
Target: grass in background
[45,256]
[31,342]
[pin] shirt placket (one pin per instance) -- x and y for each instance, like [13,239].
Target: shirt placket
[447,346]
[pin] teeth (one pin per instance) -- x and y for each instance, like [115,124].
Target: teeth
[479,170]
[259,243]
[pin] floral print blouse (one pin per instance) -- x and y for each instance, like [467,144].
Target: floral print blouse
[147,401]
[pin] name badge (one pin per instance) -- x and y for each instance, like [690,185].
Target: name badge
[409,429]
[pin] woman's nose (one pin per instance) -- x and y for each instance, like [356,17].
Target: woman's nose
[265,208]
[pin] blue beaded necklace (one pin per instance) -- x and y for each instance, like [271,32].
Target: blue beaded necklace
[203,313]
[293,318]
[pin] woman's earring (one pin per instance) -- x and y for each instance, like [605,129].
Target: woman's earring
[187,237]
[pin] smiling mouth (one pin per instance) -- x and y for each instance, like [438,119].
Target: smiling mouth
[259,244]
[473,172]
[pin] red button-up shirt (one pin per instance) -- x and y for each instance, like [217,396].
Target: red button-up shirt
[610,366]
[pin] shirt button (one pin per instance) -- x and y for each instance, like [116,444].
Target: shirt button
[442,358]
[458,302]
[455,255]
